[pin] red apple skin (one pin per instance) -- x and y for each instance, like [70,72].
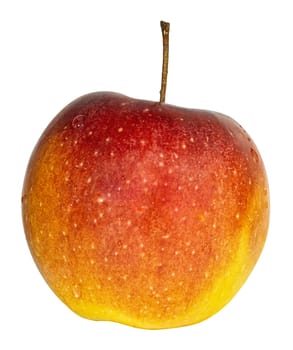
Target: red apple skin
[144,213]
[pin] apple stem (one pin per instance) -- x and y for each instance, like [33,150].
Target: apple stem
[165,27]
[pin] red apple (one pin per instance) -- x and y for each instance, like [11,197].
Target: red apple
[144,213]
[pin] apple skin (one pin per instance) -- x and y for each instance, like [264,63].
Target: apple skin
[144,213]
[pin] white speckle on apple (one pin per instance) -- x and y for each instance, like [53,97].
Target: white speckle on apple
[237,216]
[105,259]
[129,223]
[116,253]
[96,153]
[100,200]
[90,133]
[124,246]
[109,278]
[193,252]
[112,154]
[75,225]
[93,246]
[76,291]
[79,165]
[89,180]
[173,274]
[161,164]
[166,236]
[92,261]
[120,129]
[183,146]
[145,110]
[191,139]
[176,252]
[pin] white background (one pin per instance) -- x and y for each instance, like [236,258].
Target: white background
[235,57]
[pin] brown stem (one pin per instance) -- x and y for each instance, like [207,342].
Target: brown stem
[165,27]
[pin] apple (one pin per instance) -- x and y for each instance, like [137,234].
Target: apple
[144,213]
